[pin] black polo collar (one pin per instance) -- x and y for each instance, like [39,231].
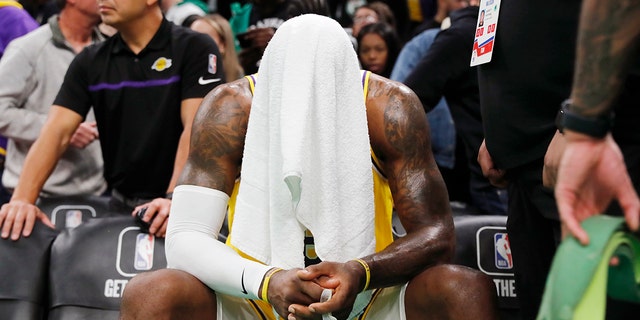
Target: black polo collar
[158,42]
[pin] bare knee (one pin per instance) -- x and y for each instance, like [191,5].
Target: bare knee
[451,292]
[164,293]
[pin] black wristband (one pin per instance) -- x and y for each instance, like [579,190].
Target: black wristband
[169,195]
[596,127]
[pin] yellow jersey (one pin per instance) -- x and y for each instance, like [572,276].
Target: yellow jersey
[383,202]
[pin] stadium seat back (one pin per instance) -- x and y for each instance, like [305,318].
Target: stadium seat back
[24,268]
[92,263]
[482,243]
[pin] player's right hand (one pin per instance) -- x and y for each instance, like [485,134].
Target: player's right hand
[18,218]
[287,289]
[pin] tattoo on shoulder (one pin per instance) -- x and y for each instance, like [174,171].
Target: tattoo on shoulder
[404,123]
[218,133]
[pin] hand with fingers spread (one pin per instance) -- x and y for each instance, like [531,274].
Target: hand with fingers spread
[592,173]
[17,218]
[156,215]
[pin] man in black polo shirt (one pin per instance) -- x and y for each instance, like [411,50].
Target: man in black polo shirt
[145,85]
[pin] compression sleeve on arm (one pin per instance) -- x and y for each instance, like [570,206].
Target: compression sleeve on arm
[192,245]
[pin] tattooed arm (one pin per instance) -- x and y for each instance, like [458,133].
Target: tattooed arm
[217,139]
[592,171]
[400,137]
[607,37]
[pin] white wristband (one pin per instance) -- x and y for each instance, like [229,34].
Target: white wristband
[197,214]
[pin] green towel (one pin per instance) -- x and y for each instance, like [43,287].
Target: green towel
[581,278]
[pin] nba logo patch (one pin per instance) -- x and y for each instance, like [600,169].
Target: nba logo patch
[504,260]
[144,252]
[73,218]
[213,64]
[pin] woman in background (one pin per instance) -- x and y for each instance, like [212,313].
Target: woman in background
[218,28]
[378,48]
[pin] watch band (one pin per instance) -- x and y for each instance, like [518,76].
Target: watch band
[596,127]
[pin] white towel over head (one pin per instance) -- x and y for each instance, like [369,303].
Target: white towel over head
[306,162]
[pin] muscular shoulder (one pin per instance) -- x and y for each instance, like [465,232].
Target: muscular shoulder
[217,136]
[397,122]
[230,97]
[224,114]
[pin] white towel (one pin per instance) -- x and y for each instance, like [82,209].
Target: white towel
[306,162]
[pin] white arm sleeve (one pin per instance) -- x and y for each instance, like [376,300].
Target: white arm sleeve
[192,245]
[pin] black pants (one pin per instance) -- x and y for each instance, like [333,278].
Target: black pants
[534,234]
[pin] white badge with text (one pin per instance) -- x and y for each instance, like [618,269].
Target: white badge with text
[485,32]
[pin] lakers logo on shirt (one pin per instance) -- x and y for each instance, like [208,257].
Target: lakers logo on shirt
[161,64]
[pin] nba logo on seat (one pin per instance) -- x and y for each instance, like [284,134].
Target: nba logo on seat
[504,260]
[144,252]
[73,218]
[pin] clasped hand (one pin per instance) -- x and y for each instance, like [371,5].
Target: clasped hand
[295,293]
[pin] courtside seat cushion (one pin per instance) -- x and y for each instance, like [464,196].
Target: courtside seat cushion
[21,310]
[24,264]
[92,263]
[82,313]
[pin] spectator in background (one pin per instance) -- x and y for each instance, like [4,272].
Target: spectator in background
[400,11]
[218,28]
[15,22]
[181,11]
[41,10]
[442,128]
[371,13]
[445,71]
[265,18]
[145,87]
[442,12]
[32,71]
[378,48]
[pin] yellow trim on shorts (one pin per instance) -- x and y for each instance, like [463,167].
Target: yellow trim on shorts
[376,293]
[262,309]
